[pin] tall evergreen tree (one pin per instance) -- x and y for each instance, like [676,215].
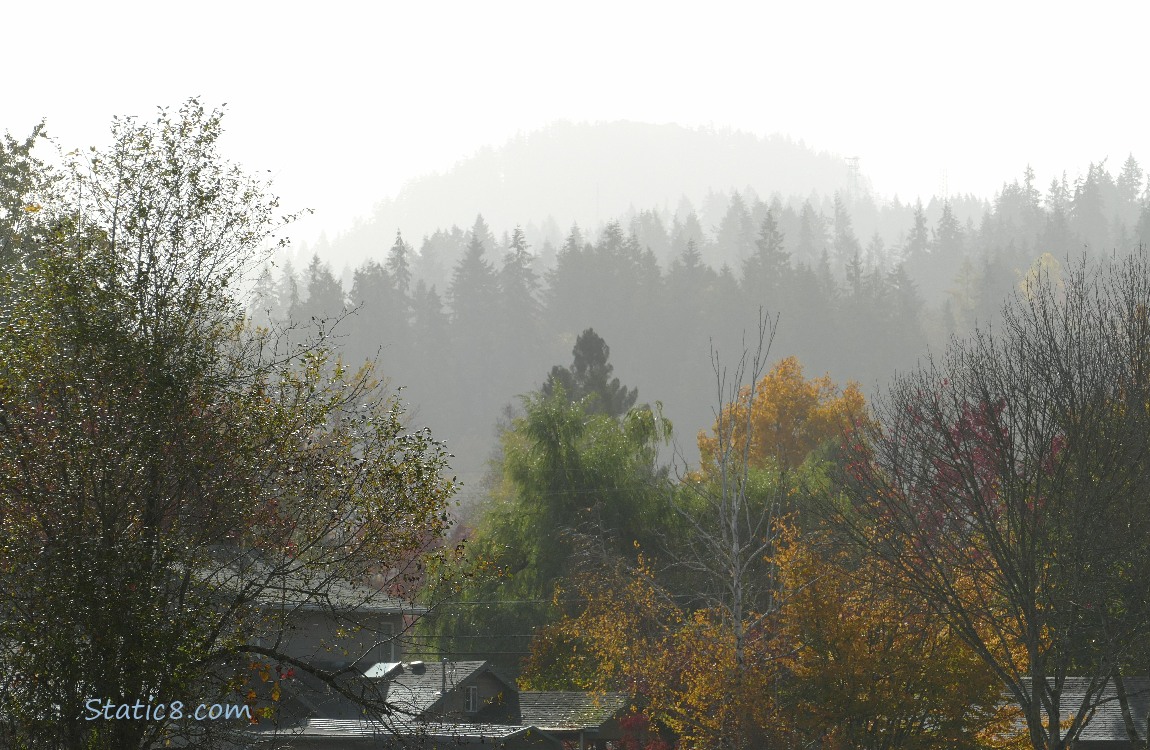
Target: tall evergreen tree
[519,310]
[568,285]
[918,240]
[590,376]
[1088,215]
[812,239]
[686,231]
[735,237]
[648,227]
[265,301]
[846,243]
[474,295]
[473,284]
[767,270]
[948,234]
[399,266]
[287,291]
[380,326]
[325,297]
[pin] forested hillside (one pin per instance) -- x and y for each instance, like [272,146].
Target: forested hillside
[468,321]
[588,173]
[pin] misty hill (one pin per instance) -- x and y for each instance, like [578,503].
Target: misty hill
[590,174]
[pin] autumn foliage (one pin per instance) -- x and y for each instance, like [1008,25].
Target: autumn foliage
[869,664]
[789,418]
[631,635]
[830,651]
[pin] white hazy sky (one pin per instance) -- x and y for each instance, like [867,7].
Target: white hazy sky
[343,102]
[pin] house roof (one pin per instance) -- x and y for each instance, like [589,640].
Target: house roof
[1106,724]
[294,587]
[455,734]
[337,595]
[415,688]
[566,711]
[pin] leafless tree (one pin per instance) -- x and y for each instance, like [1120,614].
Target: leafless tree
[732,528]
[1007,481]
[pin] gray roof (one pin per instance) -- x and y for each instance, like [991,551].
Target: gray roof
[333,595]
[291,585]
[1106,724]
[461,734]
[569,710]
[415,690]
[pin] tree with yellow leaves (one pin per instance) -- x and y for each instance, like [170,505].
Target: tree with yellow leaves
[632,635]
[868,666]
[789,417]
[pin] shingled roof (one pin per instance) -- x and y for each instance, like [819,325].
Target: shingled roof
[436,733]
[1105,724]
[292,586]
[415,688]
[569,711]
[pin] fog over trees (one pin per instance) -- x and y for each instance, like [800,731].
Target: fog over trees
[777,461]
[474,313]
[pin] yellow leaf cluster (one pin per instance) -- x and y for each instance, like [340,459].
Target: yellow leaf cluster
[869,659]
[790,417]
[631,635]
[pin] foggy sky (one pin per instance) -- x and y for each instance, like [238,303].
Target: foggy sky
[344,105]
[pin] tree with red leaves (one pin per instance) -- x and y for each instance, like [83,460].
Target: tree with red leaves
[1006,485]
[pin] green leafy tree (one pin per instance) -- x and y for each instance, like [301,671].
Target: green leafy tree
[166,471]
[22,178]
[571,487]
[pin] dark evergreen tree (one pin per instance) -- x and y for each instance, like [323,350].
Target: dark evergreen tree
[475,330]
[474,288]
[948,235]
[568,285]
[589,377]
[438,389]
[380,327]
[1058,238]
[519,313]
